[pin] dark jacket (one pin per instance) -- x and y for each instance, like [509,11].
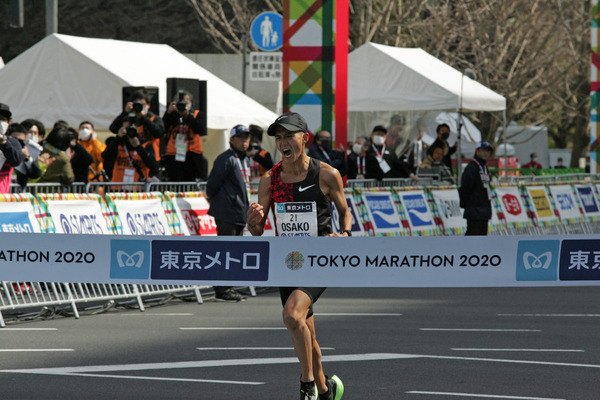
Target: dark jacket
[398,168]
[153,124]
[473,194]
[353,171]
[80,162]
[146,153]
[337,159]
[226,190]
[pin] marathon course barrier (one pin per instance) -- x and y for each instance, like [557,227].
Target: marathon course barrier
[521,207]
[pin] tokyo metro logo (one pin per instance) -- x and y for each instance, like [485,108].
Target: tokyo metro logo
[129,259]
[537,260]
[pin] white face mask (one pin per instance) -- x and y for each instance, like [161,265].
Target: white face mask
[357,148]
[85,134]
[3,127]
[31,139]
[379,140]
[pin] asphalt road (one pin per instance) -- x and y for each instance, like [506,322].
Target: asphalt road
[418,344]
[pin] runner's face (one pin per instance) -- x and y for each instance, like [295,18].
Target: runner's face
[291,145]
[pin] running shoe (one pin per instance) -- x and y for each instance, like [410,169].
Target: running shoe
[308,391]
[229,295]
[336,387]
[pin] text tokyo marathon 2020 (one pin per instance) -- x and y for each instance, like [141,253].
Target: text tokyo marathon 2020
[410,261]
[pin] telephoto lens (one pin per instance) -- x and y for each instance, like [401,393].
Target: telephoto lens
[138,107]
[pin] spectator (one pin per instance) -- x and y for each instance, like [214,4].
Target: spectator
[394,139]
[443,133]
[150,127]
[35,130]
[533,162]
[559,163]
[435,156]
[126,160]
[88,139]
[357,159]
[382,163]
[417,151]
[228,192]
[80,158]
[29,168]
[184,160]
[259,159]
[475,191]
[10,150]
[58,161]
[322,151]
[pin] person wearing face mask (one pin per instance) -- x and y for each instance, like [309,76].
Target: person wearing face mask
[259,159]
[533,162]
[443,133]
[35,130]
[322,150]
[382,162]
[357,159]
[80,158]
[88,140]
[29,168]
[559,163]
[11,154]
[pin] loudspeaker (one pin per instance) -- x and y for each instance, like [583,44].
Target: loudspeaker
[196,87]
[151,91]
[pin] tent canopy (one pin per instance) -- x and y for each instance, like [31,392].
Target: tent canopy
[385,78]
[76,79]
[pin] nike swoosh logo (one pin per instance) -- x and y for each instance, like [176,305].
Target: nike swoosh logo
[302,189]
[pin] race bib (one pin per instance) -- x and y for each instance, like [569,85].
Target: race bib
[485,179]
[296,219]
[129,175]
[180,147]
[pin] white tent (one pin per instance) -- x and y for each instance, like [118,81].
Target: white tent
[76,79]
[385,78]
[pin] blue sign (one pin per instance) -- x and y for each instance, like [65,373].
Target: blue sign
[129,259]
[416,207]
[588,200]
[537,260]
[210,260]
[15,222]
[580,260]
[335,218]
[267,31]
[565,202]
[383,211]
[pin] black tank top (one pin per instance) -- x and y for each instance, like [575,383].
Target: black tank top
[306,190]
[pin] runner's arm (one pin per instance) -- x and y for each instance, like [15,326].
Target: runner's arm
[258,212]
[334,190]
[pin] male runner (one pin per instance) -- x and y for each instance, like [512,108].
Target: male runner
[311,185]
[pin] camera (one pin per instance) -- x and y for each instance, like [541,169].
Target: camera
[131,131]
[254,147]
[138,107]
[181,106]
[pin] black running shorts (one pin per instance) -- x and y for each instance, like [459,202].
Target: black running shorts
[313,292]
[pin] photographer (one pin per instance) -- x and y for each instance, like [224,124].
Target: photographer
[150,127]
[184,160]
[126,160]
[80,158]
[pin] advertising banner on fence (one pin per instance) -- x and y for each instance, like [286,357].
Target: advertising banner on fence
[448,205]
[565,202]
[418,214]
[511,204]
[143,217]
[193,216]
[382,212]
[481,261]
[588,200]
[18,217]
[357,226]
[77,217]
[541,203]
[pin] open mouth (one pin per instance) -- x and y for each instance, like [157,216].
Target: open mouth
[286,152]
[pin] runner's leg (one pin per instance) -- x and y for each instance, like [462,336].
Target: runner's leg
[294,317]
[316,358]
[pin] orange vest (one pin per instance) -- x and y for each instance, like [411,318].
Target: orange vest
[128,160]
[95,148]
[257,170]
[194,142]
[155,142]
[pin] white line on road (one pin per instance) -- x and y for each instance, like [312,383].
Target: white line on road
[479,330]
[484,396]
[254,348]
[549,315]
[32,350]
[154,378]
[160,314]
[232,329]
[359,314]
[524,350]
[27,329]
